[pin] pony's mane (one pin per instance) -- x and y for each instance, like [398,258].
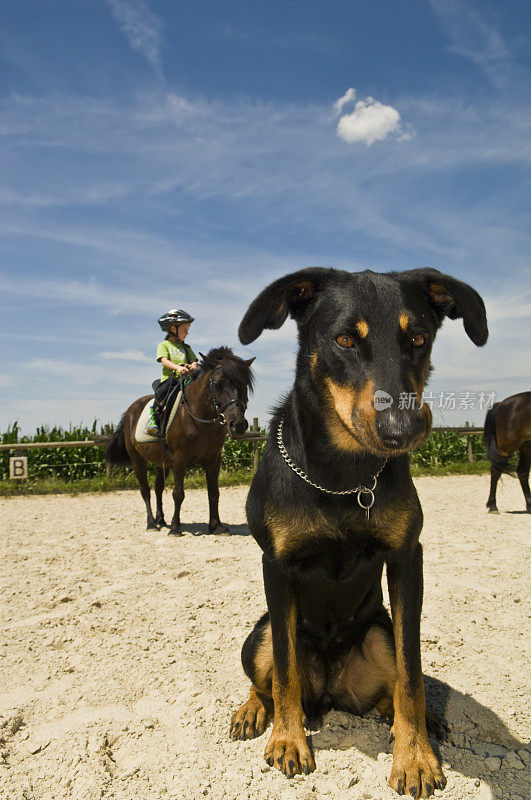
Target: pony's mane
[234,368]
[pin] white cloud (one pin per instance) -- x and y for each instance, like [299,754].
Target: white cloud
[369,122]
[141,28]
[125,355]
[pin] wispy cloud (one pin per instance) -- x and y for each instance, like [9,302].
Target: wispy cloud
[472,37]
[142,29]
[266,163]
[125,355]
[348,97]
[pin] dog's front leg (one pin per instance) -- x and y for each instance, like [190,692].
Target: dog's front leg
[416,770]
[287,748]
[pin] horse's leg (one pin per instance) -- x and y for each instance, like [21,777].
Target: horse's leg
[212,475]
[160,480]
[522,471]
[139,466]
[179,470]
[491,502]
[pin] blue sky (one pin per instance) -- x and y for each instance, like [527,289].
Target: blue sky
[162,154]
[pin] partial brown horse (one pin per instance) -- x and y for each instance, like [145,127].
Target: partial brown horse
[507,429]
[213,405]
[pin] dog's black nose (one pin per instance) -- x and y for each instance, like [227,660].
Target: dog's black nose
[394,442]
[393,433]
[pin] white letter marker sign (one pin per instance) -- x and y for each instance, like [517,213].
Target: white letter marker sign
[18,467]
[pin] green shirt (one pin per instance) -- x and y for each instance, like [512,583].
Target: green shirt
[178,352]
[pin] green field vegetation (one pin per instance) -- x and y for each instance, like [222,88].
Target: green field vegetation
[82,469]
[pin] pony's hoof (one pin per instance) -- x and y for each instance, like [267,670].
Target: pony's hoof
[175,532]
[220,530]
[493,511]
[161,524]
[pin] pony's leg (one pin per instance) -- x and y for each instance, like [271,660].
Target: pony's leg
[160,480]
[139,466]
[179,469]
[522,471]
[491,502]
[212,475]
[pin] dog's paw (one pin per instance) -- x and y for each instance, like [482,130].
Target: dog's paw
[250,720]
[416,771]
[290,756]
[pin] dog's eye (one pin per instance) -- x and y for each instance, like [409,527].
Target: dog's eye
[344,340]
[418,340]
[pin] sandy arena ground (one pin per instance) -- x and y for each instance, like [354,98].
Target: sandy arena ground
[120,653]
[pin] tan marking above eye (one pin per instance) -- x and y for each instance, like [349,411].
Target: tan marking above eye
[362,328]
[418,340]
[439,294]
[344,340]
[403,321]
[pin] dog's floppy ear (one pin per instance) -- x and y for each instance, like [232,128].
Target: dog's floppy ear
[293,294]
[451,298]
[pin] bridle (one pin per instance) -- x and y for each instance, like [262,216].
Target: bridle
[219,409]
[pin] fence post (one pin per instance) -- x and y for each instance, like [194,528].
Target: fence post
[108,466]
[256,446]
[469,448]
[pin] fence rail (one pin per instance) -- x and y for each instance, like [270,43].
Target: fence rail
[252,435]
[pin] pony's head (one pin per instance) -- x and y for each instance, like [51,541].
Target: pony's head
[232,382]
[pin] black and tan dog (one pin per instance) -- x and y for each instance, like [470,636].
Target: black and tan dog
[327,640]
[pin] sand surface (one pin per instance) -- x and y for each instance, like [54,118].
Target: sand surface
[120,653]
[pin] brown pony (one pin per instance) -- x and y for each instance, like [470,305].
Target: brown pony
[508,428]
[212,406]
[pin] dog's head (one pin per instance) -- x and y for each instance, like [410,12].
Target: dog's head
[365,343]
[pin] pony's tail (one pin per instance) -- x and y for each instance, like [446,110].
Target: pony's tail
[115,452]
[499,462]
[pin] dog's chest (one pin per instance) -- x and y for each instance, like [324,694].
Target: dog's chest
[345,558]
[335,582]
[344,535]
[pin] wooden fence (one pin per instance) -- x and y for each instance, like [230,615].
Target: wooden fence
[253,435]
[101,440]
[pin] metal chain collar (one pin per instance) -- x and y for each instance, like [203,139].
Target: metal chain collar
[359,490]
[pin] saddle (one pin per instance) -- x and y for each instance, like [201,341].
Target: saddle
[166,408]
[166,415]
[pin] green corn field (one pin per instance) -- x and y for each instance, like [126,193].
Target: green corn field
[72,464]
[75,464]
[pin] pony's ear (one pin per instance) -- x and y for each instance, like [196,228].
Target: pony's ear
[250,361]
[201,354]
[451,298]
[293,294]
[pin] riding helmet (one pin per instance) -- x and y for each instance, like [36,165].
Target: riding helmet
[176,316]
